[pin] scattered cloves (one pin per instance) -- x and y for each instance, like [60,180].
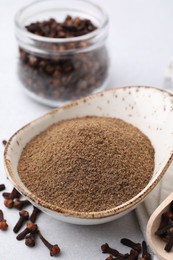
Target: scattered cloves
[2,187]
[24,216]
[107,249]
[19,204]
[34,214]
[3,222]
[14,194]
[9,198]
[131,244]
[135,252]
[30,228]
[54,249]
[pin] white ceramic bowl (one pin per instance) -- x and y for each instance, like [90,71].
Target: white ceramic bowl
[149,109]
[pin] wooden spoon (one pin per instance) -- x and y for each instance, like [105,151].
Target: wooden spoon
[157,245]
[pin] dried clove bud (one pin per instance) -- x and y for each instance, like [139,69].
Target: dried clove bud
[34,214]
[54,249]
[131,244]
[14,194]
[19,204]
[3,222]
[165,220]
[30,228]
[106,249]
[24,216]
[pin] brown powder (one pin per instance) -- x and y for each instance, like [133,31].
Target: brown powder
[87,164]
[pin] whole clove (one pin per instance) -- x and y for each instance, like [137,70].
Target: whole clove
[3,222]
[30,228]
[14,194]
[165,221]
[106,249]
[54,249]
[20,204]
[164,230]
[24,216]
[9,197]
[34,214]
[131,244]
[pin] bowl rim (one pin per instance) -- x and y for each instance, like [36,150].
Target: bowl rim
[85,215]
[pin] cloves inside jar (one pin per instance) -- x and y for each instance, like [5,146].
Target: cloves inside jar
[62,57]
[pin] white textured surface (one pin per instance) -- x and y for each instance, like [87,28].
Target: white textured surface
[140,44]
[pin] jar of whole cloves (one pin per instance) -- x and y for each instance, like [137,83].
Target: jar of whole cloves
[62,50]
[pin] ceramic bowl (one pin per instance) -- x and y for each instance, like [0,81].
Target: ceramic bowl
[149,109]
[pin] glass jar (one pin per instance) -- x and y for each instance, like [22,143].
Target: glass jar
[54,71]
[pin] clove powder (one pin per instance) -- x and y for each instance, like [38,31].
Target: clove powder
[87,164]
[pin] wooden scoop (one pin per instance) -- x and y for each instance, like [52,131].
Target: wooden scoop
[157,244]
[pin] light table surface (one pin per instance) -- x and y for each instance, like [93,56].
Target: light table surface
[140,45]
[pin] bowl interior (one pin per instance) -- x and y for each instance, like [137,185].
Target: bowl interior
[149,109]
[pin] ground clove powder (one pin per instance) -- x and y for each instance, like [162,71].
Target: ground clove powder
[87,164]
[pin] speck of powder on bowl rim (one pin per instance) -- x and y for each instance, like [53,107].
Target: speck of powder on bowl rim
[87,164]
